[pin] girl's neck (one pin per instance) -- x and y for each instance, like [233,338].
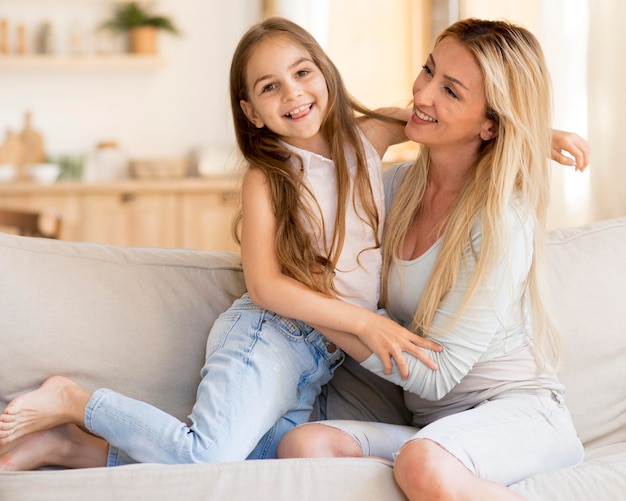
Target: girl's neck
[317,145]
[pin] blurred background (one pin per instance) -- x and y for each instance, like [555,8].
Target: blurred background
[79,89]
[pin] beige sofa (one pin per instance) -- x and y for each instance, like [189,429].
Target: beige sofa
[136,320]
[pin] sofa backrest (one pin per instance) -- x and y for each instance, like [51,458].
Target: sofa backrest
[131,319]
[587,278]
[136,319]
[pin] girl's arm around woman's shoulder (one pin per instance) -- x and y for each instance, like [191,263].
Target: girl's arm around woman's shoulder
[382,132]
[568,148]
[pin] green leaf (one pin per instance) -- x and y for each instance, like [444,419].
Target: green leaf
[127,16]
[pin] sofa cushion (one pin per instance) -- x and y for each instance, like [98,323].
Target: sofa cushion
[269,480]
[601,478]
[131,319]
[586,275]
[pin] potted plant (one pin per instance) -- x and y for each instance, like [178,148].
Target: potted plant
[141,25]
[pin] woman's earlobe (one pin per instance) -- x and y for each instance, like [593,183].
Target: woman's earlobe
[489,132]
[248,109]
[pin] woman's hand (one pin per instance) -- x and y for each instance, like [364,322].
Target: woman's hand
[574,145]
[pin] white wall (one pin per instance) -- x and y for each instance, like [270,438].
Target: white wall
[607,106]
[166,111]
[184,105]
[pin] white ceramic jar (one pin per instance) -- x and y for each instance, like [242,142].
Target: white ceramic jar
[107,163]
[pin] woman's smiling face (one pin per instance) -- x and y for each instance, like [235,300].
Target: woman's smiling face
[287,92]
[449,100]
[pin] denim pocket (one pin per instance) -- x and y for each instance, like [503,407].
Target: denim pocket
[290,329]
[220,330]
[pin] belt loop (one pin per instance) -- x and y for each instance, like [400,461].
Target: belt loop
[557,397]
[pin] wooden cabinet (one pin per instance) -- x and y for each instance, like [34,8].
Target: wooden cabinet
[207,219]
[65,204]
[131,219]
[193,212]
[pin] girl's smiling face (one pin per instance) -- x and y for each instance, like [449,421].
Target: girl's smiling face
[287,92]
[449,100]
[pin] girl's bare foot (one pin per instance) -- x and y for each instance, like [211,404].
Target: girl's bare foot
[65,445]
[57,401]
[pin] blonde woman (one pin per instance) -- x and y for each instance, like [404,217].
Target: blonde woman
[463,248]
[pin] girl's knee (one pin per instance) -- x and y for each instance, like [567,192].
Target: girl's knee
[302,441]
[317,440]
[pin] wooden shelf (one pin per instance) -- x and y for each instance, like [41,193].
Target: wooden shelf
[64,62]
[185,184]
[85,1]
[64,59]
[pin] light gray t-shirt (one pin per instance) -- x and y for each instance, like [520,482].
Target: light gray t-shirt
[489,349]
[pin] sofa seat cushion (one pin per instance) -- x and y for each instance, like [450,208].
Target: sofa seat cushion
[269,480]
[601,478]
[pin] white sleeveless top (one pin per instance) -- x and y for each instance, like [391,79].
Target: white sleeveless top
[358,271]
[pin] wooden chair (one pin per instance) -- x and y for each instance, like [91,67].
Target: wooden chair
[30,223]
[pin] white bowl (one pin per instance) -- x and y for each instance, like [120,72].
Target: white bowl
[45,173]
[7,173]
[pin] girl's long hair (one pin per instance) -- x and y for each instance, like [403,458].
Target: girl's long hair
[513,165]
[300,256]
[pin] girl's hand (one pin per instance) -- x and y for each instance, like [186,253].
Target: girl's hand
[388,340]
[574,145]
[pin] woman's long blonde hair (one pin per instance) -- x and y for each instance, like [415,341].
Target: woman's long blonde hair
[515,164]
[298,255]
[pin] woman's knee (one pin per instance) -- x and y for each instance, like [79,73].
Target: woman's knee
[421,468]
[318,440]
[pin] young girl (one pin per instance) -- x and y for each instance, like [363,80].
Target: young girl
[310,246]
[312,220]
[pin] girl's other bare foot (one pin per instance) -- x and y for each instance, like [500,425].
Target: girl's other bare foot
[65,445]
[57,401]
